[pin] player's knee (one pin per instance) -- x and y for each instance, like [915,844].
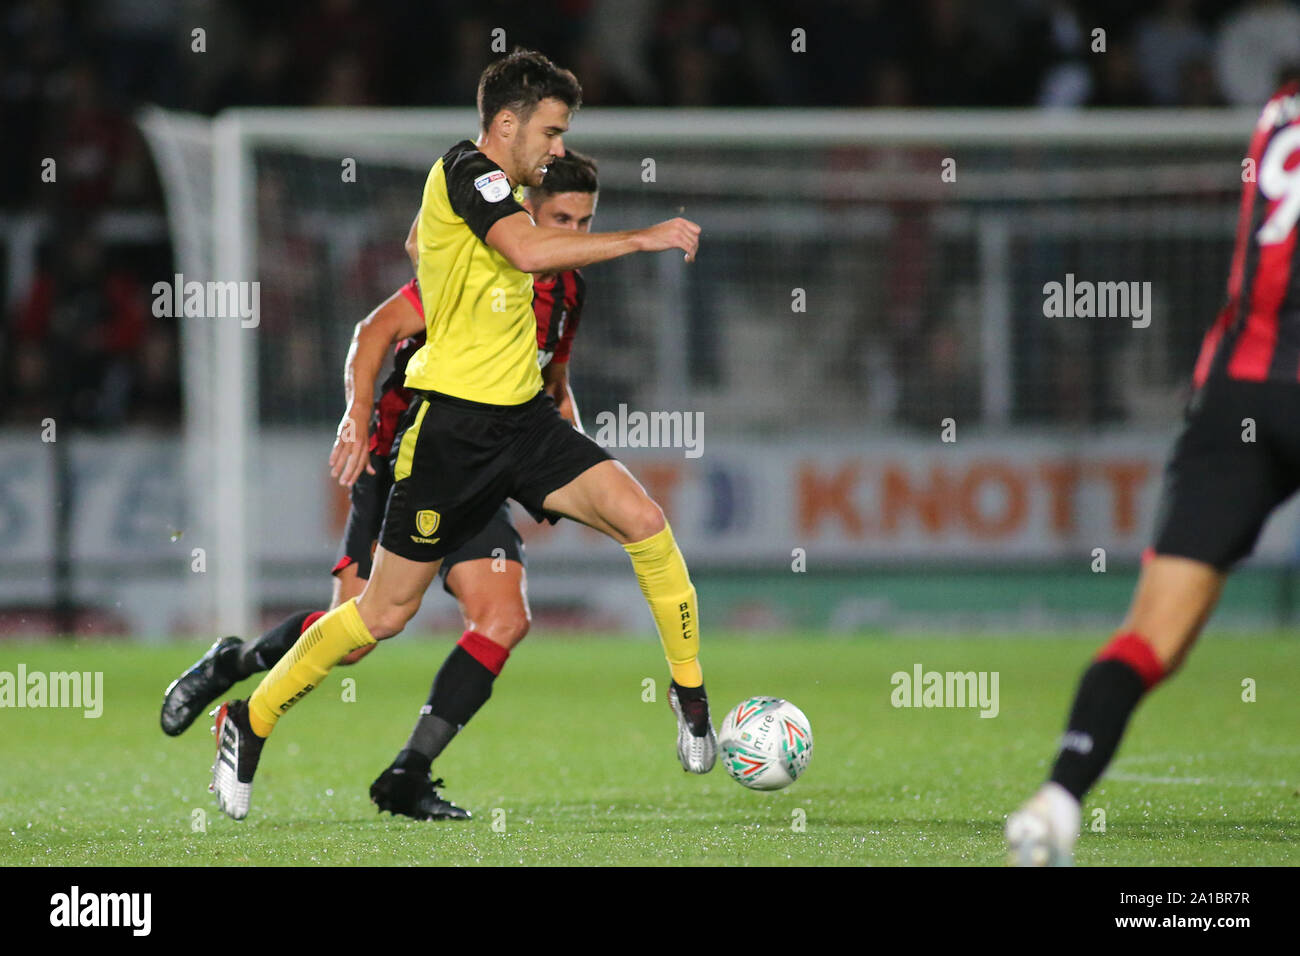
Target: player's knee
[508,632]
[507,629]
[385,622]
[1169,646]
[644,520]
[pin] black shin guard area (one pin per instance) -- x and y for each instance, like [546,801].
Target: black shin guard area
[462,686]
[263,653]
[1107,696]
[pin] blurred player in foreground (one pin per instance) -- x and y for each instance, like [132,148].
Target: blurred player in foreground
[482,429]
[486,575]
[1219,486]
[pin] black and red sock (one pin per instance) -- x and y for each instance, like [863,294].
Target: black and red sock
[462,686]
[1121,674]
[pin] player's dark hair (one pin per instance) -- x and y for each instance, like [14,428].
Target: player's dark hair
[575,173]
[519,82]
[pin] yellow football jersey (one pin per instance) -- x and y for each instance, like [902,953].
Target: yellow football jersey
[478,308]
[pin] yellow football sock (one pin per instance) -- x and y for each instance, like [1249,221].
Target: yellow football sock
[667,587]
[306,664]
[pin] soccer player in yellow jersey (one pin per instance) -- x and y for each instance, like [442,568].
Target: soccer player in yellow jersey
[482,429]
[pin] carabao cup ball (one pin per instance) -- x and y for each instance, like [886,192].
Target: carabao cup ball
[766,743]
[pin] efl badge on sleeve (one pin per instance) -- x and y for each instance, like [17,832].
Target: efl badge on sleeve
[493,186]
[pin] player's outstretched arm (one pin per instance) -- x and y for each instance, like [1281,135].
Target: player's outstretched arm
[531,248]
[394,319]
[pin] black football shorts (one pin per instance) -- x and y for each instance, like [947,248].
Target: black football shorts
[1236,460]
[365,517]
[455,462]
[497,539]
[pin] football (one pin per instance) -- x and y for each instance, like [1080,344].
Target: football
[766,743]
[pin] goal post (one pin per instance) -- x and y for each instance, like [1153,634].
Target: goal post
[183,149]
[234,559]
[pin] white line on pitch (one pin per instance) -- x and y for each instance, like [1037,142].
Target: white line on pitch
[1122,777]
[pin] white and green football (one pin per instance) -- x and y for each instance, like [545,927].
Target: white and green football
[766,743]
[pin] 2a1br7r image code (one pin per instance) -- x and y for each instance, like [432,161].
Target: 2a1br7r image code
[1174,897]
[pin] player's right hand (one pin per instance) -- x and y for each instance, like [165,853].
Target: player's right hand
[351,451]
[674,234]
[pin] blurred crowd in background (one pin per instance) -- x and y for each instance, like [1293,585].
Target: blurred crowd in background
[79,336]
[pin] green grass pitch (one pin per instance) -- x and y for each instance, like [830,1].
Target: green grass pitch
[567,764]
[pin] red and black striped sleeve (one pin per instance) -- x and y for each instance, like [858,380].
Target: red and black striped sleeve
[575,295]
[1256,336]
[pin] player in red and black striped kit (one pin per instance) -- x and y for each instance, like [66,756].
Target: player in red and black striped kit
[485,575]
[1236,461]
